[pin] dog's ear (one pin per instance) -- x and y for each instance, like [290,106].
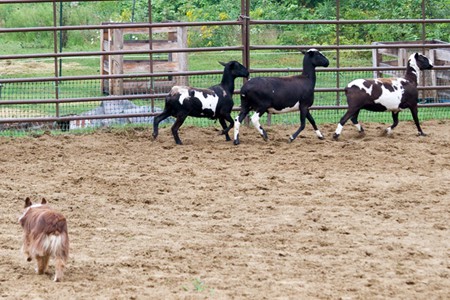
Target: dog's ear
[43,201]
[28,202]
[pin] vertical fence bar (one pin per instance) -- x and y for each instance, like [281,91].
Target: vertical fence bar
[424,36]
[60,35]
[150,45]
[338,42]
[245,18]
[55,50]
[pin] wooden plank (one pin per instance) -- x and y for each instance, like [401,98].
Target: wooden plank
[375,62]
[431,56]
[442,54]
[145,86]
[113,39]
[389,51]
[143,66]
[159,45]
[402,57]
[145,30]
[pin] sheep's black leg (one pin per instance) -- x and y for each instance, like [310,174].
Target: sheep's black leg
[303,114]
[179,121]
[416,120]
[350,113]
[395,119]
[237,123]
[313,123]
[158,119]
[226,129]
[356,123]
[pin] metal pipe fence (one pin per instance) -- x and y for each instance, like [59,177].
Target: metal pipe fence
[68,100]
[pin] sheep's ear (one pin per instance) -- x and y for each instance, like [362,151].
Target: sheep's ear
[303,51]
[28,202]
[222,63]
[44,201]
[416,56]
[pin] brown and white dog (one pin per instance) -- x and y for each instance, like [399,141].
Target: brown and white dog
[44,236]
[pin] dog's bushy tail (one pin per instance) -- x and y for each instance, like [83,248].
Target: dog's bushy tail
[57,246]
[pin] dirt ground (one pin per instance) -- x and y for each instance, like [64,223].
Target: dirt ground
[360,218]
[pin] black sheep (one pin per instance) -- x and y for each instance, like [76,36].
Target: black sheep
[281,95]
[214,103]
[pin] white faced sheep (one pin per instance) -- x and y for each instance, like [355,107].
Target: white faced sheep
[385,94]
[214,103]
[281,95]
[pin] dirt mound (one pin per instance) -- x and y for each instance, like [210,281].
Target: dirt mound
[360,218]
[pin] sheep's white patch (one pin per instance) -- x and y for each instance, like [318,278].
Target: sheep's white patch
[208,102]
[413,64]
[360,84]
[178,89]
[339,129]
[389,130]
[183,91]
[285,110]
[391,99]
[255,120]
[319,134]
[237,124]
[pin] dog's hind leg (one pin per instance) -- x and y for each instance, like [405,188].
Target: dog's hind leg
[40,265]
[45,260]
[59,269]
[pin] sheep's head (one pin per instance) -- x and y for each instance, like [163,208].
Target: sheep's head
[235,68]
[316,57]
[422,61]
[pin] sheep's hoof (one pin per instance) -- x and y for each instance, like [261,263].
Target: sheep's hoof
[265,137]
[422,134]
[321,137]
[236,142]
[388,131]
[336,136]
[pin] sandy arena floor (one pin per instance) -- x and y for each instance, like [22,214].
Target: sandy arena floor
[361,218]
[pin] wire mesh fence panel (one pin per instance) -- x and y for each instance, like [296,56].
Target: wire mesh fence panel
[77,89]
[56,78]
